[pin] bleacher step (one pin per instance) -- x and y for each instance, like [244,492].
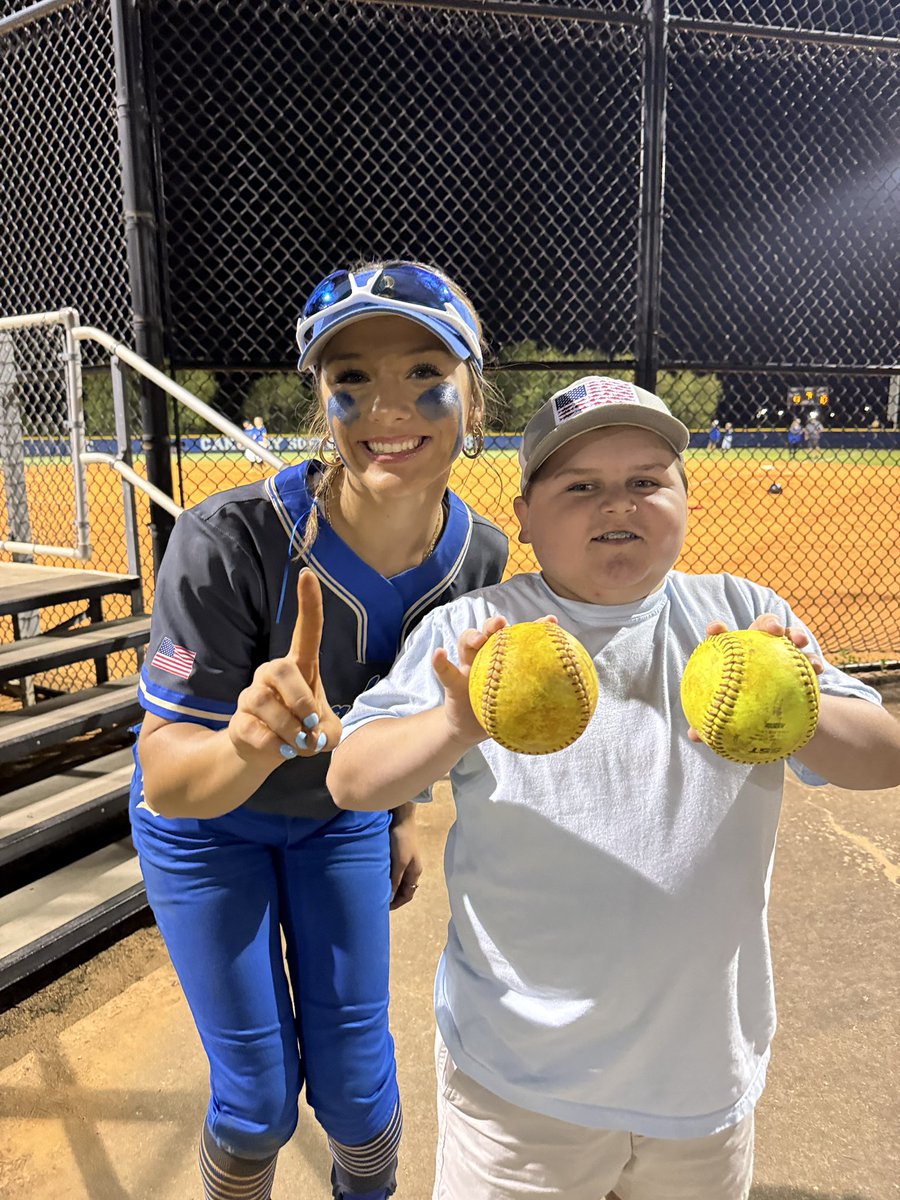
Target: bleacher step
[24,586]
[50,819]
[53,918]
[50,650]
[55,721]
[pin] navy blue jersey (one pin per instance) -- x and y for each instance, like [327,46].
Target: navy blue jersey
[226,601]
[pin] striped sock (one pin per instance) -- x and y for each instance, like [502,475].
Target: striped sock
[368,1172]
[227,1177]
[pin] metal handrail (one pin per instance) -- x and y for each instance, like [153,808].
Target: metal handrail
[83,333]
[67,319]
[138,481]
[75,333]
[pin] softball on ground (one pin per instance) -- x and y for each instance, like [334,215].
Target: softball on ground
[533,687]
[752,697]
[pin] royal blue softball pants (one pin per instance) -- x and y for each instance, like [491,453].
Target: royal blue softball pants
[224,891]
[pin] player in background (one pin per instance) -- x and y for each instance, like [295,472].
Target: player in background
[250,456]
[604,1001]
[239,841]
[813,431]
[260,435]
[256,429]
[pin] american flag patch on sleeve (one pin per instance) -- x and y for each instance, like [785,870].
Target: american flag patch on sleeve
[591,393]
[174,659]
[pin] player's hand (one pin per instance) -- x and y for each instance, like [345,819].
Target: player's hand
[767,623]
[464,726]
[284,713]
[455,681]
[406,866]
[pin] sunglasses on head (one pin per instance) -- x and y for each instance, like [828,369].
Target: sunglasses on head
[397,285]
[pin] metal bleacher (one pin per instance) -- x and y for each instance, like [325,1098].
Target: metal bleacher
[69,877]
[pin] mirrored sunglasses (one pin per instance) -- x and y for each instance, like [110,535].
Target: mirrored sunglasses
[403,286]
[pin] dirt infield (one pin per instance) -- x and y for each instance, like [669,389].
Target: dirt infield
[103,1085]
[826,541]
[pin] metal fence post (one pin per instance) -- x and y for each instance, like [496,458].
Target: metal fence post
[71,357]
[653,168]
[141,228]
[123,454]
[12,464]
[12,448]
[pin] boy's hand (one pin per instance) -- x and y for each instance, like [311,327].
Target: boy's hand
[285,712]
[454,680]
[767,623]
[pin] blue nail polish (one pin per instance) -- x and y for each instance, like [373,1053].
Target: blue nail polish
[311,721]
[300,739]
[287,751]
[320,742]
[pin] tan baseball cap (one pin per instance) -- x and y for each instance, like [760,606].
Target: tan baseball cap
[593,403]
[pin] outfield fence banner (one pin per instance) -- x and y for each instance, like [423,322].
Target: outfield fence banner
[308,445]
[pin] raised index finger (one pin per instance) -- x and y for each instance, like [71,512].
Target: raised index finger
[307,635]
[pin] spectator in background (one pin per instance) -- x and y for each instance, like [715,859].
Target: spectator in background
[247,427]
[727,436]
[813,431]
[256,430]
[714,436]
[260,435]
[795,436]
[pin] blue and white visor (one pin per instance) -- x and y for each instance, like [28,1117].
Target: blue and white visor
[396,289]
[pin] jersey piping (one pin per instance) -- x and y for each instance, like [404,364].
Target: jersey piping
[171,705]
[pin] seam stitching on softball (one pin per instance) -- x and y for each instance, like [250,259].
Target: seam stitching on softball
[492,678]
[724,701]
[571,664]
[810,686]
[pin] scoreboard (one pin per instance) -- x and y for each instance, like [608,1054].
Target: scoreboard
[809,394]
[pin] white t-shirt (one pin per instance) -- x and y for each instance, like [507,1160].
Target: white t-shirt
[607,960]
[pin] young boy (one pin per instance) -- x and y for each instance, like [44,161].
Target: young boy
[604,1001]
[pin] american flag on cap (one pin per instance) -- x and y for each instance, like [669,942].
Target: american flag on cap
[589,393]
[174,659]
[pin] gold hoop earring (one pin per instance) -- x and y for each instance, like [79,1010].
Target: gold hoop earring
[474,442]
[327,446]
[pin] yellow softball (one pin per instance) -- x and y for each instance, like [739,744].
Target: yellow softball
[752,697]
[533,687]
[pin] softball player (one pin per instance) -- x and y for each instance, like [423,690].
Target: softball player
[277,604]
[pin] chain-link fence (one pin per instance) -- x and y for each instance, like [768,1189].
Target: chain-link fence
[60,190]
[710,198]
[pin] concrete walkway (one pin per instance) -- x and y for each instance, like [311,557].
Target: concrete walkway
[103,1085]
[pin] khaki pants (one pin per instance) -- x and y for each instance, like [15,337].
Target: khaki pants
[489,1149]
